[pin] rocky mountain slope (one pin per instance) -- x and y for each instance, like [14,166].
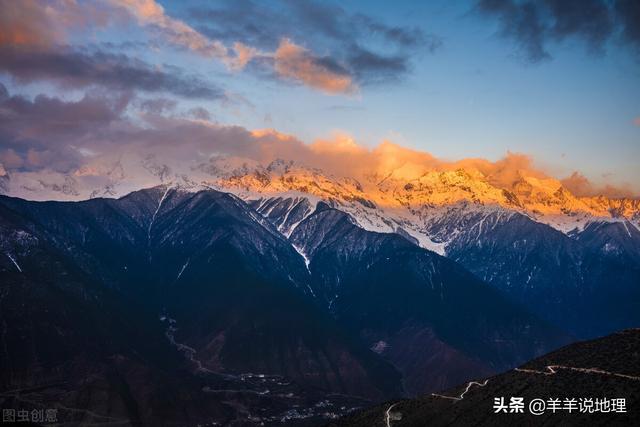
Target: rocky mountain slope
[177,288]
[573,261]
[419,310]
[166,290]
[588,372]
[398,282]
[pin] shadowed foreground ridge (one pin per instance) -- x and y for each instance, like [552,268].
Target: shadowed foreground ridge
[172,307]
[167,307]
[605,367]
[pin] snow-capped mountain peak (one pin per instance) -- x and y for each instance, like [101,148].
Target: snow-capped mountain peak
[407,198]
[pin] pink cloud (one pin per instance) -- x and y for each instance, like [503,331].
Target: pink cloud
[579,185]
[290,61]
[27,24]
[149,12]
[295,62]
[88,138]
[32,23]
[10,159]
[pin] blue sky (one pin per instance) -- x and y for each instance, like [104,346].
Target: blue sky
[455,79]
[473,97]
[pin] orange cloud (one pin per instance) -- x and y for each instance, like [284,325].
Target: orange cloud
[244,54]
[504,172]
[294,62]
[49,132]
[149,12]
[341,144]
[637,121]
[290,60]
[580,186]
[271,133]
[343,156]
[407,163]
[32,23]
[25,23]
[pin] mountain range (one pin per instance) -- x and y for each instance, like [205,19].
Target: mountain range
[235,287]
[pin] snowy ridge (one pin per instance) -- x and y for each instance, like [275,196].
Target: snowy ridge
[394,201]
[403,200]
